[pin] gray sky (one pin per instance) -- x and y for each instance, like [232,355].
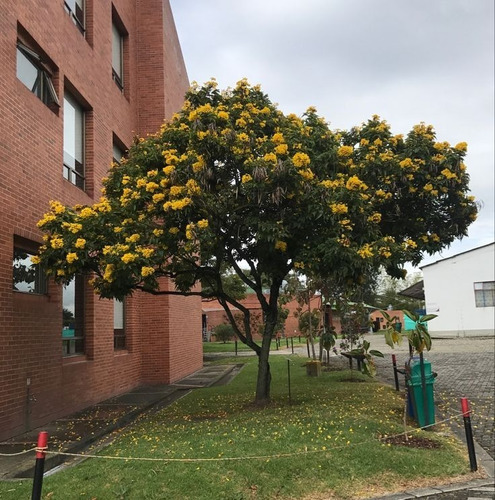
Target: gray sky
[405,60]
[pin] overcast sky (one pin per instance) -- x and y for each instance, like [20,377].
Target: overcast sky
[405,60]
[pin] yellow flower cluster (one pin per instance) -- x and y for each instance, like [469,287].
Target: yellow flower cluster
[46,219]
[246,178]
[281,149]
[57,243]
[147,271]
[345,151]
[332,184]
[57,207]
[354,184]
[365,252]
[72,227]
[301,160]
[339,208]
[461,146]
[177,204]
[108,274]
[385,252]
[278,138]
[133,238]
[203,223]
[71,257]
[80,243]
[375,217]
[199,164]
[270,158]
[129,257]
[35,259]
[87,212]
[306,174]
[192,187]
[406,163]
[173,230]
[448,174]
[281,245]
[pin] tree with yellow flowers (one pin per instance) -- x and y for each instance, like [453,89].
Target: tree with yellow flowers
[231,181]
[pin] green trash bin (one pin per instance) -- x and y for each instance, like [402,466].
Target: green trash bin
[415,387]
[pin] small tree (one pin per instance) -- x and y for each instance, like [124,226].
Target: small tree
[224,332]
[232,179]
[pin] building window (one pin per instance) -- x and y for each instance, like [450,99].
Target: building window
[27,277]
[34,75]
[75,8]
[73,141]
[73,317]
[118,324]
[484,293]
[118,153]
[117,56]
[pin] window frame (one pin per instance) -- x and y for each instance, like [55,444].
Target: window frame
[43,87]
[119,334]
[40,281]
[70,172]
[74,345]
[78,14]
[118,78]
[484,293]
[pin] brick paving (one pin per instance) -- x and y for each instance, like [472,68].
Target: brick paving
[462,372]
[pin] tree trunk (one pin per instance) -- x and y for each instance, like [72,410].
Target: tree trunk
[264,375]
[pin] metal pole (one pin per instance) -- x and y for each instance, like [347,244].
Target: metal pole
[288,379]
[235,343]
[466,413]
[396,377]
[40,465]
[292,344]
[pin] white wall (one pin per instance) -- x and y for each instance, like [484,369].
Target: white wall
[449,292]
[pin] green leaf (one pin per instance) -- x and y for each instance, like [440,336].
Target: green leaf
[379,354]
[411,315]
[428,317]
[388,338]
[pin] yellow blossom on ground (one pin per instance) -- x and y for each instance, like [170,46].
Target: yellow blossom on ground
[80,243]
[281,245]
[345,151]
[147,271]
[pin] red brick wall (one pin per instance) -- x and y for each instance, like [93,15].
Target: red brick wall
[31,156]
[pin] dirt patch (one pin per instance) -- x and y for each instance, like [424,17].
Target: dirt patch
[411,441]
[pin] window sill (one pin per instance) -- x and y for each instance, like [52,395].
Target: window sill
[74,359]
[121,352]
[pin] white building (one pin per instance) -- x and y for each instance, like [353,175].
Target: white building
[461,291]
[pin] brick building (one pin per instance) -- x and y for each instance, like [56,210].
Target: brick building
[79,79]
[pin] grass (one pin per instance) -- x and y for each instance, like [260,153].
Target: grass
[323,445]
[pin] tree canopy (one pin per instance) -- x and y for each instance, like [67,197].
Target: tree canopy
[231,179]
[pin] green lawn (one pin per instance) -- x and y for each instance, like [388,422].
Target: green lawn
[324,443]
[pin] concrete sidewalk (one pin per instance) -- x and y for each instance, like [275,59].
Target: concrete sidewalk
[90,426]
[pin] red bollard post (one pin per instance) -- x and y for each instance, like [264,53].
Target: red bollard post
[39,468]
[396,377]
[466,413]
